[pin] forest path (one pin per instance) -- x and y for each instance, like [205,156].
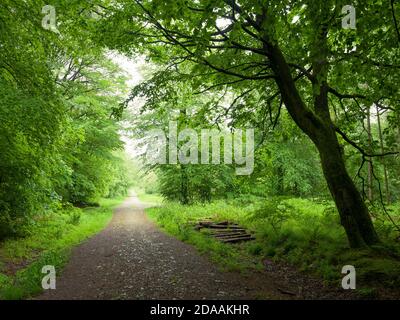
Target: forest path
[132,259]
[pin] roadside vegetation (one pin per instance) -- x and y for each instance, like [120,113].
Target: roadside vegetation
[48,243]
[305,233]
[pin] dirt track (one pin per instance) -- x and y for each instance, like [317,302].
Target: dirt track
[133,259]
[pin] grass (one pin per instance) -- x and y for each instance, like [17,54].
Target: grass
[178,221]
[49,243]
[303,232]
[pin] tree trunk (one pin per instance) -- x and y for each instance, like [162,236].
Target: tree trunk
[185,198]
[353,213]
[370,192]
[385,172]
[184,186]
[318,126]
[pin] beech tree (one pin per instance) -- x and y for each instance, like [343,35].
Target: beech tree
[293,54]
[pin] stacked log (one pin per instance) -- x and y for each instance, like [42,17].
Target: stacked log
[224,231]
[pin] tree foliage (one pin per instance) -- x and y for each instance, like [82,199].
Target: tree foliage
[270,55]
[58,142]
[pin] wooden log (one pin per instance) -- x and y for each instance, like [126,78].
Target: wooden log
[237,239]
[224,231]
[228,234]
[241,235]
[220,232]
[216,226]
[231,234]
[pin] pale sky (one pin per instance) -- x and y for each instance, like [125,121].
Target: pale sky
[131,67]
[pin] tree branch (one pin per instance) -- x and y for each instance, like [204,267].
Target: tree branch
[361,150]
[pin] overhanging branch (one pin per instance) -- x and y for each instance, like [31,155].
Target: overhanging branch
[360,149]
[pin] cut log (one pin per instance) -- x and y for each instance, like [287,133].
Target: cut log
[216,226]
[230,235]
[241,235]
[224,231]
[237,239]
[219,235]
[220,232]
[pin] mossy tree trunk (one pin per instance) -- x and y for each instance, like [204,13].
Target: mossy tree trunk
[317,124]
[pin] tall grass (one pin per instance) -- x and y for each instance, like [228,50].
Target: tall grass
[304,232]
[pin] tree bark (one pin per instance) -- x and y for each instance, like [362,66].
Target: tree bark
[184,186]
[385,172]
[370,150]
[318,126]
[185,198]
[353,212]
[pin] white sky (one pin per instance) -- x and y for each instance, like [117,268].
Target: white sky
[130,66]
[132,70]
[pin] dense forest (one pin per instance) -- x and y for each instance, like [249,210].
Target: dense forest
[317,82]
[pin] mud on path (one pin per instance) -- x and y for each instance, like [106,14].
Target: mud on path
[133,259]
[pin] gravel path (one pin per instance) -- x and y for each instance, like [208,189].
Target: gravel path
[133,259]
